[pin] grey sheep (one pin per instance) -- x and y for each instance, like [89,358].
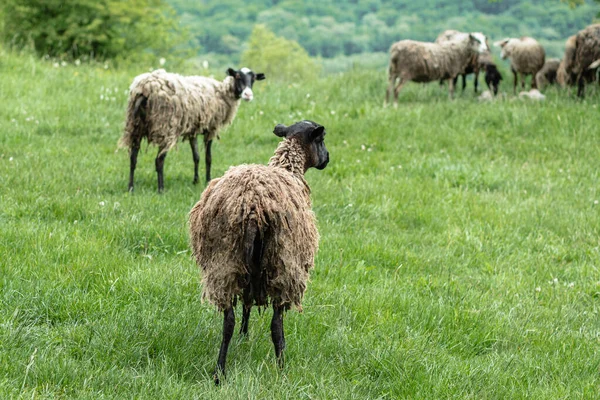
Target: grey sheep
[254,235]
[582,58]
[425,62]
[527,57]
[547,75]
[164,107]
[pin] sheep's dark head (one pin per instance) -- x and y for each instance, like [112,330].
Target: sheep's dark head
[312,137]
[492,77]
[244,79]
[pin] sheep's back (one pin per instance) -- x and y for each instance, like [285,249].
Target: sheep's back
[426,62]
[587,47]
[279,203]
[528,56]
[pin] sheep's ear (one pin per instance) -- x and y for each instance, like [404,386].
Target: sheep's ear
[260,76]
[501,43]
[318,131]
[280,130]
[231,72]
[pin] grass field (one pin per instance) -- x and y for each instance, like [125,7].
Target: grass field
[459,254]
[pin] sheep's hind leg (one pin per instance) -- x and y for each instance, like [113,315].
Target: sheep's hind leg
[160,163]
[195,156]
[228,326]
[277,334]
[245,319]
[397,91]
[135,148]
[207,157]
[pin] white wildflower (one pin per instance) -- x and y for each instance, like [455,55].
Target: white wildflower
[332,112]
[55,65]
[63,63]
[10,159]
[101,204]
[205,64]
[538,289]
[260,112]
[78,62]
[162,61]
[595,201]
[363,147]
[572,285]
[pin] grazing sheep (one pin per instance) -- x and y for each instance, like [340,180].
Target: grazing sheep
[586,59]
[475,63]
[547,75]
[253,233]
[527,57]
[425,62]
[164,107]
[492,77]
[569,78]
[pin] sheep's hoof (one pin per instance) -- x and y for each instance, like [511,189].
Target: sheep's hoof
[216,379]
[196,180]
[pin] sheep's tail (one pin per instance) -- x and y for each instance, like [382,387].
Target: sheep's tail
[256,289]
[135,126]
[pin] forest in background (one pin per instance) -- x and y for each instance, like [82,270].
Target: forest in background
[329,28]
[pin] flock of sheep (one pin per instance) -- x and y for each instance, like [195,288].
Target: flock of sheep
[456,53]
[253,232]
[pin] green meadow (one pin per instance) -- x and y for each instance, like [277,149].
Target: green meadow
[459,254]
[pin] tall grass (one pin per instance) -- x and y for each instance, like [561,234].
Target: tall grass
[459,247]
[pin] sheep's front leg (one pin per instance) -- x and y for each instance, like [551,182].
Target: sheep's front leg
[516,80]
[523,81]
[135,148]
[228,326]
[464,82]
[580,85]
[451,87]
[207,157]
[195,156]
[476,81]
[277,334]
[160,163]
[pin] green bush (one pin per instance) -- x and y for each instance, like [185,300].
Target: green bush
[95,29]
[277,57]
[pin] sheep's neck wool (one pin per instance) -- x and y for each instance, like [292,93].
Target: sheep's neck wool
[291,156]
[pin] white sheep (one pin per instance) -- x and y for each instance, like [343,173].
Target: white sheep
[527,57]
[164,107]
[425,62]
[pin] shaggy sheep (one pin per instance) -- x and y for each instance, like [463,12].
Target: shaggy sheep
[527,57]
[254,236]
[586,59]
[547,75]
[164,107]
[565,78]
[475,63]
[425,62]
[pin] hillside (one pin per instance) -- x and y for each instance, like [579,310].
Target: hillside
[329,28]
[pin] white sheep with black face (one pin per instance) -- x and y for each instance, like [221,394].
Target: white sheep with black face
[164,107]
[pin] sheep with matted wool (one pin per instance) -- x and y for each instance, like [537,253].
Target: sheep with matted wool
[254,235]
[527,57]
[582,58]
[425,62]
[164,107]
